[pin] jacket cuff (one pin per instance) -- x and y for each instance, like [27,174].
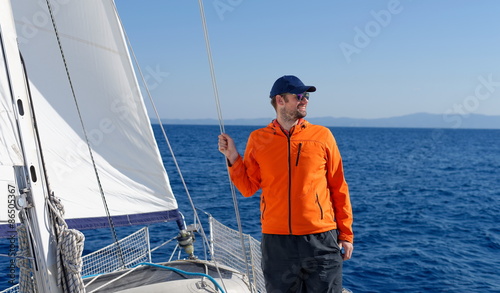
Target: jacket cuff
[348,238]
[236,163]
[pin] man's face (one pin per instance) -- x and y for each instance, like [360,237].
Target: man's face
[295,106]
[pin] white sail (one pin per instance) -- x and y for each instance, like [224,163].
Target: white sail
[94,82]
[73,123]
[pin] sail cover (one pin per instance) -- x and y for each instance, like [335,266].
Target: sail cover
[84,92]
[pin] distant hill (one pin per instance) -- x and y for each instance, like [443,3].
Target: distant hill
[418,120]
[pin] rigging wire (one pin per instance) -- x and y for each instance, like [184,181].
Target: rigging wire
[103,197]
[222,130]
[164,133]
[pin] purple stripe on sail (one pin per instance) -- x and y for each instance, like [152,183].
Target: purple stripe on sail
[126,220]
[7,231]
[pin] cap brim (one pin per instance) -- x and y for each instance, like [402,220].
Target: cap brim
[303,89]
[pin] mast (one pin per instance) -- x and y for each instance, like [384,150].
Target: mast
[40,229]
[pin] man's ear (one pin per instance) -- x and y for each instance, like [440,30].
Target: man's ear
[280,99]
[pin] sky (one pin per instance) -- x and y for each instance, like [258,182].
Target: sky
[367,58]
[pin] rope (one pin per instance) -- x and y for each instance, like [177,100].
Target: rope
[110,220]
[69,250]
[26,282]
[211,65]
[222,130]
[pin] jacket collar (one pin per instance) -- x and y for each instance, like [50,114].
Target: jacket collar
[301,124]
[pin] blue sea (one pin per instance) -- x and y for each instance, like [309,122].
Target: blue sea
[426,203]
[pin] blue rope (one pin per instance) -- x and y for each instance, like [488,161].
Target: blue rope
[185,273]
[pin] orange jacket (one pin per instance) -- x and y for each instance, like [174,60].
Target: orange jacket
[301,177]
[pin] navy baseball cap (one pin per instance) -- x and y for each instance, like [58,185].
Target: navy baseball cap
[290,84]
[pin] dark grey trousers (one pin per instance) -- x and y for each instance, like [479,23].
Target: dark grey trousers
[302,263]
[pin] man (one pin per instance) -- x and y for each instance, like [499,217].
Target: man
[306,213]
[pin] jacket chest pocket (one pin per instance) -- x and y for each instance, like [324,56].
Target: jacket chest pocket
[299,148]
[308,155]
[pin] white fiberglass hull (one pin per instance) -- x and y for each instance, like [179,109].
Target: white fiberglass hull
[171,277]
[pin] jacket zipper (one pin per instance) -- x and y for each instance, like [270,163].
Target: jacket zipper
[289,188]
[319,205]
[298,154]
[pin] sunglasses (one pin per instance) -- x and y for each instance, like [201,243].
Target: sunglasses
[303,96]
